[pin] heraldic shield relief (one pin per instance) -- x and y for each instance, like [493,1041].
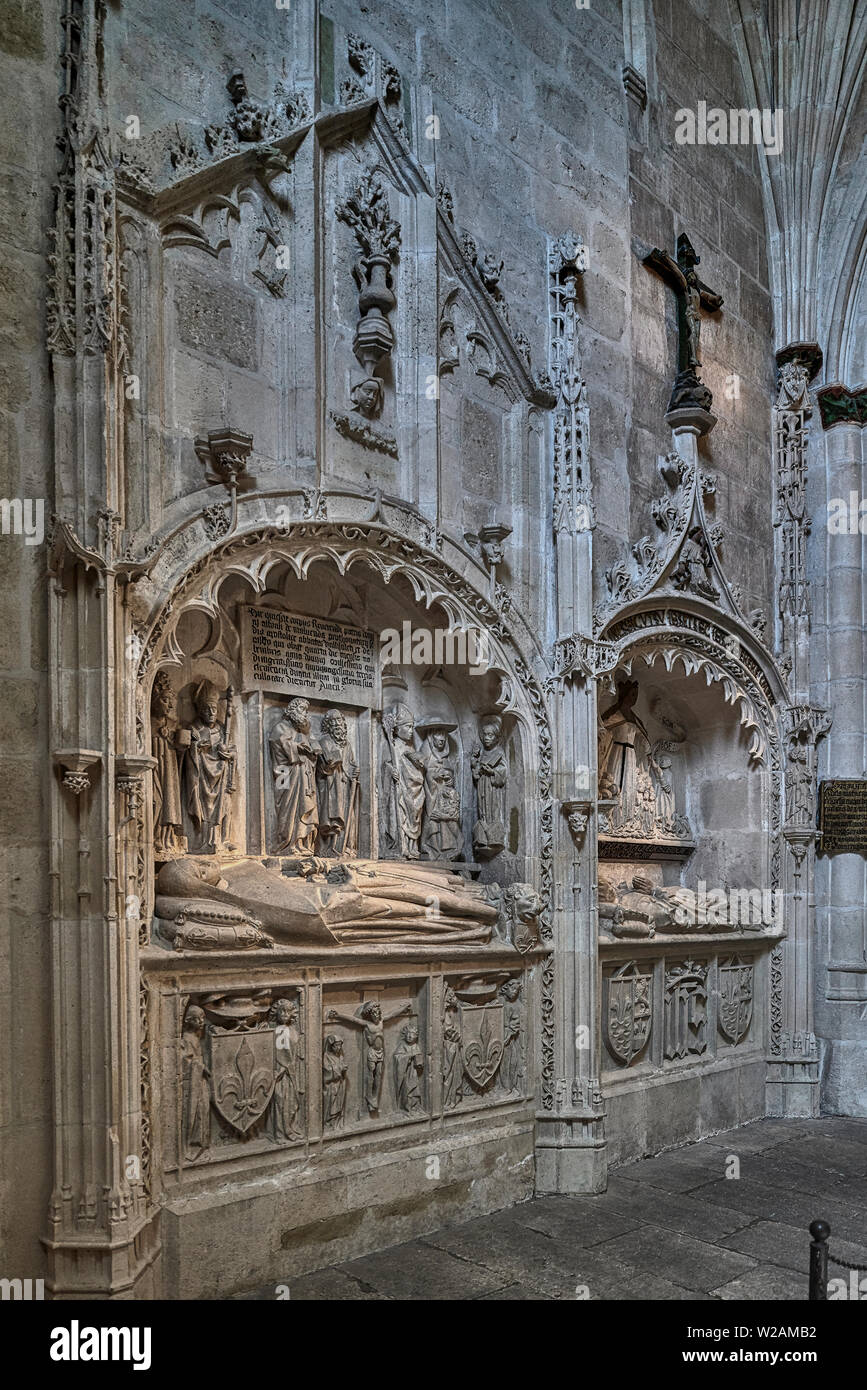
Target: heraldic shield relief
[627,1012]
[735,998]
[242,1066]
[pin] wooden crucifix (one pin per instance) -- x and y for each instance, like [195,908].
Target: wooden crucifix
[693,295]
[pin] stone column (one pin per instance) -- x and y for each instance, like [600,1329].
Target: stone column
[838,652]
[793,1070]
[570,1145]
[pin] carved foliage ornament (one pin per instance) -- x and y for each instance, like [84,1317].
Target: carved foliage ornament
[377,235]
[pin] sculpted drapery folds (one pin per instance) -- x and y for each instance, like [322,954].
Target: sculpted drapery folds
[624,750]
[441,837]
[403,784]
[490,773]
[334,1069]
[293,761]
[338,788]
[166,743]
[209,768]
[409,1069]
[289,1084]
[196,1085]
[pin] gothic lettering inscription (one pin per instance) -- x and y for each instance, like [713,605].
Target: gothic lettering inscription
[843,817]
[309,656]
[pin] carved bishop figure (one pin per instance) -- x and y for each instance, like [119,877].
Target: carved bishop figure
[209,768]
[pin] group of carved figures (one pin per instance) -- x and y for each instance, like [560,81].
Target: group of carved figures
[421,793]
[252,1072]
[636,774]
[317,791]
[316,786]
[628,1007]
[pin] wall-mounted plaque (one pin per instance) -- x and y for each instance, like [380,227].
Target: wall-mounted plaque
[843,816]
[293,654]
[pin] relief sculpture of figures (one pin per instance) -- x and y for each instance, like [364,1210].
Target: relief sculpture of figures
[408,1069]
[624,749]
[441,837]
[453,1065]
[512,1066]
[339,791]
[293,761]
[209,768]
[289,1085]
[371,1020]
[403,784]
[167,741]
[196,1085]
[334,1068]
[490,773]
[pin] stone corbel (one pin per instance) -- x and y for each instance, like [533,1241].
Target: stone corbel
[224,454]
[131,772]
[75,763]
[577,814]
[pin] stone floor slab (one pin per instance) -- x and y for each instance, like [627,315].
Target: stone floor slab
[668,1228]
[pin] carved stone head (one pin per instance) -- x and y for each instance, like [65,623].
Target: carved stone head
[371,1011]
[297,714]
[491,730]
[283,1011]
[207,701]
[334,723]
[194,1020]
[402,722]
[162,696]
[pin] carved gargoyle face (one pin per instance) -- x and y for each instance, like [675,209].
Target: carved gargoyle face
[577,822]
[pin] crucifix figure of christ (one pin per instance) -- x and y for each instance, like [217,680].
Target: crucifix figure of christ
[693,295]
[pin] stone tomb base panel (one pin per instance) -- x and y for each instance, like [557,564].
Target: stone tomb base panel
[649,1114]
[244,1235]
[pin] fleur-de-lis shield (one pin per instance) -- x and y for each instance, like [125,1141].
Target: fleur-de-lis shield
[242,1067]
[482,1043]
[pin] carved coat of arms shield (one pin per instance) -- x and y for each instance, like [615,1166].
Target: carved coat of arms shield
[627,1012]
[735,999]
[242,1075]
[482,1043]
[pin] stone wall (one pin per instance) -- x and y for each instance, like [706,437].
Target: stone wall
[536,137]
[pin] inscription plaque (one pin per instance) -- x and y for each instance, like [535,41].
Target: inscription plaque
[298,655]
[843,816]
